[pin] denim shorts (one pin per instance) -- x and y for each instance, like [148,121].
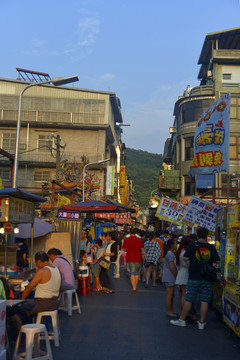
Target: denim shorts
[199,287]
[134,268]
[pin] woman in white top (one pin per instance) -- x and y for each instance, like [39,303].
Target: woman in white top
[182,276]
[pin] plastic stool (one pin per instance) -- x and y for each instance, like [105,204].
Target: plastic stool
[30,330]
[68,294]
[84,285]
[55,334]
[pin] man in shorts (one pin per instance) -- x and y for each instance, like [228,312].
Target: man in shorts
[134,248]
[196,285]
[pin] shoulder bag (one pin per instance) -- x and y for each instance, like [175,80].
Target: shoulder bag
[208,271]
[104,263]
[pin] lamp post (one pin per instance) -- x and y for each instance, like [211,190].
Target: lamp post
[83,177]
[57,82]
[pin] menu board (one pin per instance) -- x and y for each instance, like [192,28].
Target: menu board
[171,211]
[202,213]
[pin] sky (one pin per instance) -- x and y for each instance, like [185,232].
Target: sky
[144,51]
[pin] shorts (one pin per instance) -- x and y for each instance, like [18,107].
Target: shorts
[134,268]
[96,270]
[199,287]
[168,284]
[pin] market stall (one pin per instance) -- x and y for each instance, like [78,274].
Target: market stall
[231,292]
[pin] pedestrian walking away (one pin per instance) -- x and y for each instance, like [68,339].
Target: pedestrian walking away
[198,253]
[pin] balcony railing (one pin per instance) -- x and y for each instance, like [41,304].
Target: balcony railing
[202,90]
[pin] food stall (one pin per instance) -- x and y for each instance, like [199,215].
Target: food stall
[231,292]
[16,207]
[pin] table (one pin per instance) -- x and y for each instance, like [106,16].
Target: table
[12,302]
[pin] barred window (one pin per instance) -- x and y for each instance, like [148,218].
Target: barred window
[9,141]
[44,143]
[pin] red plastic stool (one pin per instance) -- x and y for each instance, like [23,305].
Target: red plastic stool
[84,285]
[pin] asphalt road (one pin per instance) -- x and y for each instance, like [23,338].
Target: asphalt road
[130,326]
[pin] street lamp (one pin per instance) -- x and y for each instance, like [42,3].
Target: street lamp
[83,177]
[57,82]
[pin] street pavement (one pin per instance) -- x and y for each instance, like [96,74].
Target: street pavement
[128,325]
[134,326]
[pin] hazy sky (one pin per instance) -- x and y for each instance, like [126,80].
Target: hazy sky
[144,51]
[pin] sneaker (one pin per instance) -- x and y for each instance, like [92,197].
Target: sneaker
[178,322]
[201,326]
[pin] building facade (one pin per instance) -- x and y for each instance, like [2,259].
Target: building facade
[219,74]
[59,123]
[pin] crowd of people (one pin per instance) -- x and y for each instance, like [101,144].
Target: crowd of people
[151,257]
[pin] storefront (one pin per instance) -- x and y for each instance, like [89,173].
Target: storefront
[231,292]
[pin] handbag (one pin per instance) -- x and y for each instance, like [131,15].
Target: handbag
[104,263]
[208,271]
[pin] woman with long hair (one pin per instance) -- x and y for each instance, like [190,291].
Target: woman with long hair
[182,276]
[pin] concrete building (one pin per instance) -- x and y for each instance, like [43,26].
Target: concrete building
[74,121]
[219,74]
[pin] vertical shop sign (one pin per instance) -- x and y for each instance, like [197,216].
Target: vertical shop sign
[122,183]
[110,180]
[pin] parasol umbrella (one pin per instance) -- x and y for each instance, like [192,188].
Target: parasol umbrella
[40,228]
[31,231]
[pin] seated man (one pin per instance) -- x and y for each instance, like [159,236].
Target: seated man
[47,281]
[63,265]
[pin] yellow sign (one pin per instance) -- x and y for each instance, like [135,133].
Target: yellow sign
[233,215]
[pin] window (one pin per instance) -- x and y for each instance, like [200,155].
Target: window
[227,76]
[189,148]
[5,174]
[44,143]
[42,175]
[9,141]
[234,148]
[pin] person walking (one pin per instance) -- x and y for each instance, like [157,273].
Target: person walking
[182,265]
[169,276]
[134,248]
[198,253]
[153,253]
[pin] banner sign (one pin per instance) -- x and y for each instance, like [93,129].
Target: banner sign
[211,140]
[202,213]
[171,211]
[68,214]
[110,180]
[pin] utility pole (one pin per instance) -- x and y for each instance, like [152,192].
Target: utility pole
[58,145]
[57,148]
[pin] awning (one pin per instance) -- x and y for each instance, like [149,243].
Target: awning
[91,206]
[17,193]
[205,181]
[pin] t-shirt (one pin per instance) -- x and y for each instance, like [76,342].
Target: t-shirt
[133,246]
[67,277]
[161,243]
[118,241]
[111,248]
[167,274]
[209,255]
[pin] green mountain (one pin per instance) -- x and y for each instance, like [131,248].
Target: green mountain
[143,168]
